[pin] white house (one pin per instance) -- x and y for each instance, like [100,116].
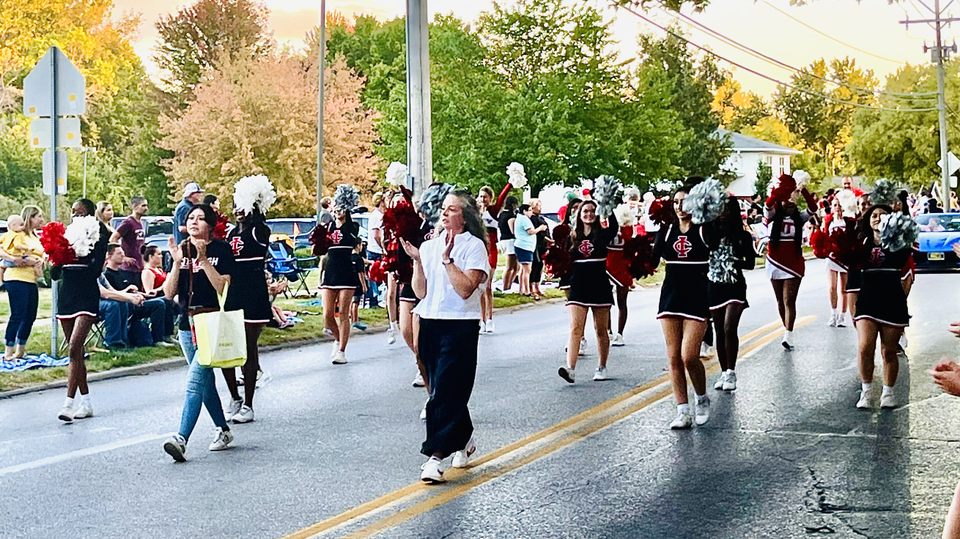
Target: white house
[747,153]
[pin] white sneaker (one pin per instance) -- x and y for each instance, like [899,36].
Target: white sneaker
[461,459]
[483,327]
[888,401]
[335,349]
[233,408]
[722,379]
[83,411]
[705,349]
[864,402]
[176,447]
[432,471]
[600,375]
[903,341]
[785,343]
[834,319]
[682,421]
[583,347]
[567,374]
[221,441]
[843,320]
[418,381]
[423,411]
[617,340]
[730,383]
[263,378]
[66,414]
[339,358]
[490,326]
[245,415]
[702,411]
[391,336]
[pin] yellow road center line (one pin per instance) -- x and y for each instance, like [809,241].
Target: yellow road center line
[413,490]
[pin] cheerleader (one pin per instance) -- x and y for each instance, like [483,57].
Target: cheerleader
[727,295]
[683,309]
[489,211]
[835,222]
[253,196]
[78,302]
[785,265]
[339,280]
[618,269]
[882,304]
[559,253]
[589,287]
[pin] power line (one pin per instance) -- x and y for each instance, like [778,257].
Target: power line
[830,37]
[747,49]
[773,79]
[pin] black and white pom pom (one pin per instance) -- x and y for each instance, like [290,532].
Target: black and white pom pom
[608,193]
[346,197]
[722,268]
[431,203]
[705,201]
[898,232]
[884,192]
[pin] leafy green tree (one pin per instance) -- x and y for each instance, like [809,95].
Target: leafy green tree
[764,177]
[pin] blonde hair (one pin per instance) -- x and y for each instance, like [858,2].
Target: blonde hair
[27,214]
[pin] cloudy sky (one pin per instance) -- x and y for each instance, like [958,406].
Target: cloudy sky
[867,30]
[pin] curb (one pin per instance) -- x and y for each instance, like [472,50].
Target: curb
[176,362]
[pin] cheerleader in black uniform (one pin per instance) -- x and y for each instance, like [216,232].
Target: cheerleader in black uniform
[589,288]
[78,302]
[881,308]
[684,308]
[339,280]
[249,241]
[728,300]
[561,241]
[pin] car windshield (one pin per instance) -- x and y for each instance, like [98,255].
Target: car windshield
[159,227]
[289,227]
[939,222]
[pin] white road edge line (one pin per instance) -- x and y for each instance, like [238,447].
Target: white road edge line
[63,457]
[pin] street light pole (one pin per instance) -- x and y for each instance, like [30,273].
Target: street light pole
[320,101]
[419,139]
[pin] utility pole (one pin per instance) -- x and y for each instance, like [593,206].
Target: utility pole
[419,138]
[939,53]
[320,92]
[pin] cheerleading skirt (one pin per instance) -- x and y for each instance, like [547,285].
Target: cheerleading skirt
[589,284]
[882,299]
[77,292]
[618,268]
[854,281]
[719,295]
[833,265]
[407,294]
[784,261]
[684,292]
[249,292]
[338,274]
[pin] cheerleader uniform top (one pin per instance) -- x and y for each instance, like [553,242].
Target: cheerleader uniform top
[719,295]
[833,225]
[78,292]
[684,290]
[338,273]
[618,267]
[589,283]
[248,286]
[492,225]
[882,298]
[406,288]
[194,290]
[785,252]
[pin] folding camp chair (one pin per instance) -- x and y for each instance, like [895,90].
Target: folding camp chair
[95,339]
[284,264]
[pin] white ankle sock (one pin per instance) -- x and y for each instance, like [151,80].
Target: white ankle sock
[683,408]
[68,403]
[701,398]
[85,399]
[887,390]
[866,387]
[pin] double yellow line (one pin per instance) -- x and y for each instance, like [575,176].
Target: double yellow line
[520,453]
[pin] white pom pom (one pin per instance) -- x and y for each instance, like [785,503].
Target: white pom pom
[705,201]
[516,175]
[397,174]
[608,193]
[802,177]
[848,202]
[624,215]
[722,266]
[254,192]
[897,231]
[82,234]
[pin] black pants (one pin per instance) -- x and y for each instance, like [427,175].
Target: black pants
[536,269]
[448,349]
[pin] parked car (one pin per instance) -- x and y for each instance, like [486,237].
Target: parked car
[297,229]
[939,232]
[3,226]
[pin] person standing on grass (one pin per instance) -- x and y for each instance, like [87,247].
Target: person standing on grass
[77,307]
[525,245]
[20,281]
[536,270]
[192,195]
[130,235]
[448,272]
[505,221]
[489,211]
[202,268]
[104,214]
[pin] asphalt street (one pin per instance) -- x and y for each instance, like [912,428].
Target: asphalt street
[334,450]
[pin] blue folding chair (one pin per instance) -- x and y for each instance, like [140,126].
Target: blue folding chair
[284,264]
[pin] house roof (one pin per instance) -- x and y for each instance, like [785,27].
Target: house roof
[743,143]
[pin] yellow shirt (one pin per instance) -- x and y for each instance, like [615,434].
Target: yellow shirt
[21,244]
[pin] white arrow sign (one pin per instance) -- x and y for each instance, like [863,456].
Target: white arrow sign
[71,87]
[953,161]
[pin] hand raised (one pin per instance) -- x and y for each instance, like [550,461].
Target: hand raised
[411,250]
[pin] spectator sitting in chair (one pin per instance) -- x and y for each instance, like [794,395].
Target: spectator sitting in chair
[121,302]
[151,280]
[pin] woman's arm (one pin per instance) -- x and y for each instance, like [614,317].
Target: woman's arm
[512,223]
[494,210]
[147,278]
[465,283]
[217,280]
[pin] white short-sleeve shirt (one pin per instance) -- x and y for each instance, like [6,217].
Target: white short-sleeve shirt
[375,222]
[442,301]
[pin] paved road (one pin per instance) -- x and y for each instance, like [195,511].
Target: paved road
[334,449]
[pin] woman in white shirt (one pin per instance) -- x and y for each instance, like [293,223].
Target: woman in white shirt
[448,272]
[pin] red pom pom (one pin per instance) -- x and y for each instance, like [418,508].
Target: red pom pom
[847,247]
[402,221]
[784,189]
[377,272]
[56,246]
[639,251]
[557,260]
[220,230]
[821,243]
[661,211]
[320,238]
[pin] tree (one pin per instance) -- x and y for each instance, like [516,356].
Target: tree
[197,36]
[736,108]
[691,84]
[764,177]
[258,116]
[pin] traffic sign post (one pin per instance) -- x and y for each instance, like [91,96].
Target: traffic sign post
[55,88]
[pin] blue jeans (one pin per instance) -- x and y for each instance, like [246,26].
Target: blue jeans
[201,390]
[373,290]
[23,299]
[116,317]
[155,309]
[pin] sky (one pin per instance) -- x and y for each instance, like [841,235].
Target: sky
[867,31]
